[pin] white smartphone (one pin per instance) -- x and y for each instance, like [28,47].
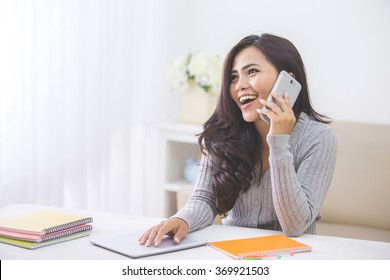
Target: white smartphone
[284,83]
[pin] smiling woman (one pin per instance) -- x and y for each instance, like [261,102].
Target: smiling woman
[252,78]
[272,176]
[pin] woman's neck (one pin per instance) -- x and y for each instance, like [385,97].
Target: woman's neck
[262,128]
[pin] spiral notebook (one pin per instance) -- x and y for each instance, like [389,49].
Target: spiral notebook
[43,222]
[42,238]
[36,245]
[262,246]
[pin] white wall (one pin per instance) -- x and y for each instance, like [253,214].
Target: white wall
[344,44]
[112,58]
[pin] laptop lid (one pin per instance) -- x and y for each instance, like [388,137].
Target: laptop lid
[127,244]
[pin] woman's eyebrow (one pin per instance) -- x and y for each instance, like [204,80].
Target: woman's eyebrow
[247,66]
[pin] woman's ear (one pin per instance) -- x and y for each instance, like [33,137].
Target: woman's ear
[292,74]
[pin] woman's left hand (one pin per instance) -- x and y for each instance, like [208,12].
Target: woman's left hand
[282,117]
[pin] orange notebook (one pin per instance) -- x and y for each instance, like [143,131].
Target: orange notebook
[262,246]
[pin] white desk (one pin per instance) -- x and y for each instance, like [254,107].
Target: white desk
[324,247]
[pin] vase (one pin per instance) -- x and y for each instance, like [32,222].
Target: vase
[190,171]
[197,105]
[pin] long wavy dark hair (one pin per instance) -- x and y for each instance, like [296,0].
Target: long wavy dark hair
[235,145]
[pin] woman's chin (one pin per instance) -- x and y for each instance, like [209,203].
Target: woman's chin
[250,116]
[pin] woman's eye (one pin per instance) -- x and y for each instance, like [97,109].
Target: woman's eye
[233,78]
[252,71]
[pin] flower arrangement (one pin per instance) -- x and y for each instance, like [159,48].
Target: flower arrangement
[201,68]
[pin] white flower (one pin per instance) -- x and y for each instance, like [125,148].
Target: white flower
[204,69]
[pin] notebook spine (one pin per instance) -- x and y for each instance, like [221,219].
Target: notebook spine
[276,252]
[59,240]
[59,234]
[68,225]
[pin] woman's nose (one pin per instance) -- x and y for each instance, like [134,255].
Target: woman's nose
[242,83]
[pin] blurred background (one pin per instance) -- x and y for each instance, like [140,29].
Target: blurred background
[84,85]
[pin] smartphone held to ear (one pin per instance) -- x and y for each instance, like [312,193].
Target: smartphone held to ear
[284,83]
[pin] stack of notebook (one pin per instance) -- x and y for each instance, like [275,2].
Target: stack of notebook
[43,228]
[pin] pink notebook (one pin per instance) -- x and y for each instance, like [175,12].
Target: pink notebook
[42,238]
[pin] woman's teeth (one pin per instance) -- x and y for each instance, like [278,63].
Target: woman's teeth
[247,98]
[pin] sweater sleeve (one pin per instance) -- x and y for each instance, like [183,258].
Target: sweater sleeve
[200,209]
[298,193]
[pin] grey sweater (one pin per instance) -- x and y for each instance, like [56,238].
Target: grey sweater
[291,192]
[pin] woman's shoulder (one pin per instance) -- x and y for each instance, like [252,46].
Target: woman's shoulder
[309,128]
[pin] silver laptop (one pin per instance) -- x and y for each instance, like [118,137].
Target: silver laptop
[127,244]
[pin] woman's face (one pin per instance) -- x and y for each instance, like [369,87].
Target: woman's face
[252,78]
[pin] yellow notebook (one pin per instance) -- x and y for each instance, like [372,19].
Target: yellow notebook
[36,245]
[43,222]
[262,246]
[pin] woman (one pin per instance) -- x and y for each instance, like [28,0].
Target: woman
[263,175]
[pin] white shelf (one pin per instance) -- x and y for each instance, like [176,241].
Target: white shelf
[181,128]
[178,142]
[177,186]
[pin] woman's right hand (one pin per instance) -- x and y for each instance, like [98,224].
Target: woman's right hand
[173,226]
